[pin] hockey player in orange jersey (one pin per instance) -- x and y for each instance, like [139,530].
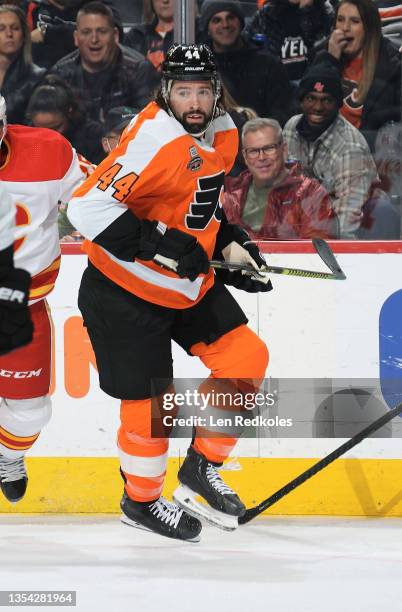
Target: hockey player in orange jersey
[38,168]
[158,194]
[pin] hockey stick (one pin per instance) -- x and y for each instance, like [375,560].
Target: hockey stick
[224,265]
[322,248]
[320,465]
[325,252]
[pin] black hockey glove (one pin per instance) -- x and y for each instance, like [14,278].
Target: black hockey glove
[243,281]
[188,256]
[234,245]
[129,238]
[16,327]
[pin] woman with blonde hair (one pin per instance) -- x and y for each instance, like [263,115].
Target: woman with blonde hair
[370,67]
[18,74]
[154,36]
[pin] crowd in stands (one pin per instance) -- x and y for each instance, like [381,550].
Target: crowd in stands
[313,86]
[273,198]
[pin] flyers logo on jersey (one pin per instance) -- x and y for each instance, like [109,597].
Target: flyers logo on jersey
[206,204]
[195,162]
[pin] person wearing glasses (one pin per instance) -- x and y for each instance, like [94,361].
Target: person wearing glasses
[333,151]
[271,198]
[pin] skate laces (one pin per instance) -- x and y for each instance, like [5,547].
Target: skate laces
[12,469]
[169,513]
[216,481]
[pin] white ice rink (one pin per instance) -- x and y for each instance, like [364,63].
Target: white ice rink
[272,565]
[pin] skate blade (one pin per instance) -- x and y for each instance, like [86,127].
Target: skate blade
[185,498]
[126,521]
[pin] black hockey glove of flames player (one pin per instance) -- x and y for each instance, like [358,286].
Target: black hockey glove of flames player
[16,329]
[240,249]
[172,248]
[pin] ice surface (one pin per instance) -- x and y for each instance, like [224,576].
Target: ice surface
[272,565]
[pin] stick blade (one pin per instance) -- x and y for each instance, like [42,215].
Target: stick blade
[325,252]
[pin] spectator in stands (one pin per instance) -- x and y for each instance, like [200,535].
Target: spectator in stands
[54,105]
[370,67]
[52,25]
[388,159]
[390,12]
[18,75]
[271,199]
[116,121]
[290,30]
[254,78]
[104,73]
[332,150]
[154,37]
[240,115]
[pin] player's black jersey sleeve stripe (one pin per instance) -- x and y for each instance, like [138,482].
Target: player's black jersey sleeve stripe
[121,238]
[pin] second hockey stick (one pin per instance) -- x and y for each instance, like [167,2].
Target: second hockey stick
[320,465]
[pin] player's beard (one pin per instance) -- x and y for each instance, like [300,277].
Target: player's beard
[195,128]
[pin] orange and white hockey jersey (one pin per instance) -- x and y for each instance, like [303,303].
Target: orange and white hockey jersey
[39,170]
[161,173]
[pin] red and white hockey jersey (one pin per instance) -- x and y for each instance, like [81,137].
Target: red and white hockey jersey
[40,169]
[159,172]
[7,219]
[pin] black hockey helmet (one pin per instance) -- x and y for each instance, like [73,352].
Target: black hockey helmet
[189,63]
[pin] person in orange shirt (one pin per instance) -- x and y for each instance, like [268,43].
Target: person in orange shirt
[154,37]
[369,65]
[158,198]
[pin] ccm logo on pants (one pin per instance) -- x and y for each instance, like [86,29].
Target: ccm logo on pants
[11,374]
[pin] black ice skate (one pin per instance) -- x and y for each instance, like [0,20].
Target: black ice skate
[13,478]
[162,517]
[200,477]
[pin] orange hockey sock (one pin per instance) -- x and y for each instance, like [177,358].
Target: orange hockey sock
[241,356]
[143,459]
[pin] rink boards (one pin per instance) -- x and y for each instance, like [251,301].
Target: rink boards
[313,329]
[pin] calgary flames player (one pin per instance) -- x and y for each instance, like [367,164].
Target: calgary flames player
[159,194]
[38,169]
[15,322]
